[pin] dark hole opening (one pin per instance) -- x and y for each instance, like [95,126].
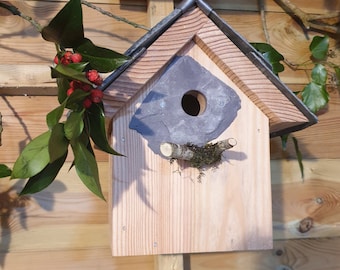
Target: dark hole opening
[193,103]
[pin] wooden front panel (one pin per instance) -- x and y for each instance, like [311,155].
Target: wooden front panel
[161,208]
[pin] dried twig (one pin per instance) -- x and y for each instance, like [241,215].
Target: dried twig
[15,11]
[1,129]
[118,18]
[321,22]
[264,20]
[198,156]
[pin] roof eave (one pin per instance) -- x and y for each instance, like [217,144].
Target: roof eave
[139,47]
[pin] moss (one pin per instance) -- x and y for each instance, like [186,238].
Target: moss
[209,154]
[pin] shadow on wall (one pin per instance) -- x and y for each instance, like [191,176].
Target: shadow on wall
[28,138]
[14,210]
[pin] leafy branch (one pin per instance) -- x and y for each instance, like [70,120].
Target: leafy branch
[77,67]
[314,95]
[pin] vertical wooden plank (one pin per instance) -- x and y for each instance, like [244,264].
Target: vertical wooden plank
[169,262]
[158,10]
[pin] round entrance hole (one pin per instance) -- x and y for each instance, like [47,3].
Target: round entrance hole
[194,103]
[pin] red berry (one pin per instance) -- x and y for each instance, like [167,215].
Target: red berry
[69,91]
[98,81]
[75,84]
[67,55]
[56,59]
[96,95]
[93,76]
[65,61]
[76,57]
[85,87]
[87,103]
[66,58]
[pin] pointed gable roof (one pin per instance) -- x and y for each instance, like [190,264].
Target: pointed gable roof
[196,21]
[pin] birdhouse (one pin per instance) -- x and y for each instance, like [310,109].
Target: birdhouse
[192,88]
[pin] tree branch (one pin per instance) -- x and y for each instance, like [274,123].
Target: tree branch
[321,22]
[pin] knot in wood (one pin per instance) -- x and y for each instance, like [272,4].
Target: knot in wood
[279,252]
[305,224]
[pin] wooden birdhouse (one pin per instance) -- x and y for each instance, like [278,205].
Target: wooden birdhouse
[192,83]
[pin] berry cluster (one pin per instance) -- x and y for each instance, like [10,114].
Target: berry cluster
[68,58]
[93,76]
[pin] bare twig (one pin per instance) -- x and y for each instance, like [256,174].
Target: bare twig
[264,20]
[118,18]
[314,21]
[15,11]
[1,129]
[206,155]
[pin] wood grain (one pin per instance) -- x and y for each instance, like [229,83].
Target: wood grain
[325,131]
[313,199]
[311,254]
[74,259]
[72,224]
[64,216]
[169,262]
[250,5]
[158,10]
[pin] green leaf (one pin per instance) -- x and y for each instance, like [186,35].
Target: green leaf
[63,85]
[77,66]
[315,96]
[86,167]
[319,74]
[75,100]
[319,47]
[53,117]
[277,68]
[101,59]
[58,144]
[284,139]
[4,171]
[66,28]
[69,72]
[299,157]
[96,120]
[271,55]
[33,158]
[43,179]
[74,125]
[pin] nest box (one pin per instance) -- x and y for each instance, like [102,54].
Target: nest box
[192,80]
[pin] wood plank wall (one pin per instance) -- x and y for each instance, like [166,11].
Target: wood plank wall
[66,227]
